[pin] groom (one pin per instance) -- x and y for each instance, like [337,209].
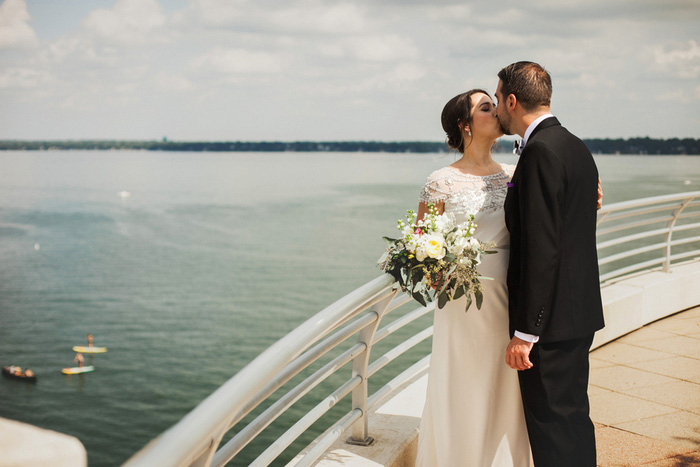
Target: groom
[553,286]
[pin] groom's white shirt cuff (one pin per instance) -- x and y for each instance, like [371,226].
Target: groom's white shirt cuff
[527,337]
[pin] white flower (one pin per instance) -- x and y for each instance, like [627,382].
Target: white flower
[412,245]
[458,244]
[432,245]
[445,222]
[421,254]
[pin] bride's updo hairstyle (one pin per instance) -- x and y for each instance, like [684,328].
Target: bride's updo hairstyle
[455,116]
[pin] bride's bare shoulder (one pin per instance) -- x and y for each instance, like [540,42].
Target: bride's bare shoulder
[509,169]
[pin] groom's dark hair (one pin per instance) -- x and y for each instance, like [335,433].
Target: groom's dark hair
[529,82]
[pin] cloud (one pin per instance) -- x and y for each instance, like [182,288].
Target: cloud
[454,13]
[24,78]
[383,47]
[681,60]
[410,72]
[170,82]
[238,61]
[372,78]
[218,12]
[299,17]
[593,80]
[80,51]
[15,31]
[130,22]
[674,96]
[344,18]
[362,61]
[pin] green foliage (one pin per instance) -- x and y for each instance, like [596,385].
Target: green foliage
[672,146]
[436,258]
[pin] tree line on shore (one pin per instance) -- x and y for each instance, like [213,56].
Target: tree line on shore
[644,146]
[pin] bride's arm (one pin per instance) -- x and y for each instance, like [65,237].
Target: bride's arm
[435,191]
[423,209]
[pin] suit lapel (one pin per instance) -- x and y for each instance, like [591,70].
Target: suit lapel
[546,123]
[511,205]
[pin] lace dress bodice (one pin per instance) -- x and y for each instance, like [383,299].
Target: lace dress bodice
[465,194]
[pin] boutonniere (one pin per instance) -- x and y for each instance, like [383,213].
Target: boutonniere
[509,185]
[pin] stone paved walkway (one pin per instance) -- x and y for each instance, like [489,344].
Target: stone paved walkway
[645,395]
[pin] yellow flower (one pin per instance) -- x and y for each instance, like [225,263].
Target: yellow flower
[431,245]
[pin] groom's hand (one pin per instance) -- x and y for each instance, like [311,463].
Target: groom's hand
[518,354]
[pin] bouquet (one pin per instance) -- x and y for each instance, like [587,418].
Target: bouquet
[436,258]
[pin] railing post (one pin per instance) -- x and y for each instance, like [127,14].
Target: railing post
[360,429]
[669,235]
[205,458]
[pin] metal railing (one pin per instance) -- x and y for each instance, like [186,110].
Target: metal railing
[197,439]
[628,235]
[650,232]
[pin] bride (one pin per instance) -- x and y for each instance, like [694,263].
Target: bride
[473,415]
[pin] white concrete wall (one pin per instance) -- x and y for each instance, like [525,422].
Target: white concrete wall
[23,445]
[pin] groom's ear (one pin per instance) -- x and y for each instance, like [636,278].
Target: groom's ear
[511,101]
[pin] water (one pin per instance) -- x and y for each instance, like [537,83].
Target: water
[211,259]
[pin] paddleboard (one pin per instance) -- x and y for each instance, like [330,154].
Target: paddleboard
[76,370]
[86,349]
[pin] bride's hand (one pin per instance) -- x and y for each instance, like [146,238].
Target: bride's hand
[600,195]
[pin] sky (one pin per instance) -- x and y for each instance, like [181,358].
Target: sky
[321,70]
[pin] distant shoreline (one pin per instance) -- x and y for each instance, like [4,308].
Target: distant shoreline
[631,146]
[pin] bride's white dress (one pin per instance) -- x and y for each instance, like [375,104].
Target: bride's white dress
[473,415]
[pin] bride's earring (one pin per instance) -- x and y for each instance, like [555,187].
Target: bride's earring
[469,132]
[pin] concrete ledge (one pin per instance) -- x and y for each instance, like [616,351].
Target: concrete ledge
[393,425]
[635,301]
[23,445]
[629,304]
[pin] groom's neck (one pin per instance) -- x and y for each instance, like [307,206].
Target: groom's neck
[530,117]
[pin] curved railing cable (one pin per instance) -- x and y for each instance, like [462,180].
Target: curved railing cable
[632,236]
[644,231]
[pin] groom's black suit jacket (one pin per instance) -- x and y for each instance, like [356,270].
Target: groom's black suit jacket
[550,209]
